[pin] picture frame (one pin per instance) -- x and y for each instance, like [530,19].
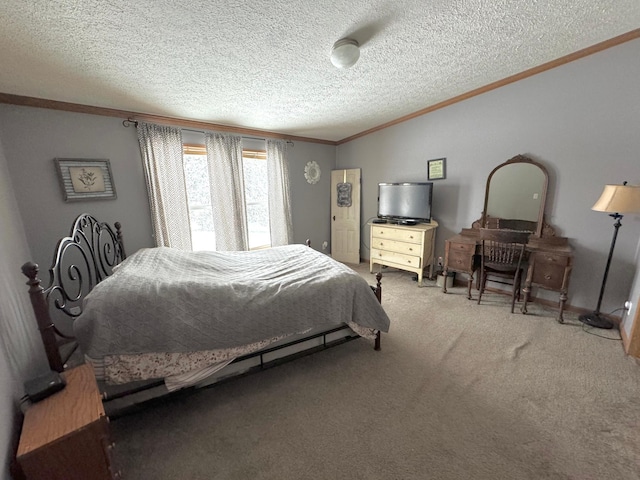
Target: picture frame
[85,179]
[437,169]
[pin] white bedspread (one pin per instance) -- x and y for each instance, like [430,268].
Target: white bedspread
[167,300]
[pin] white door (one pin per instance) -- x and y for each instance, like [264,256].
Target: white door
[345,215]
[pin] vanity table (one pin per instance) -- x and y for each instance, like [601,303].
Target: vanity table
[515,199]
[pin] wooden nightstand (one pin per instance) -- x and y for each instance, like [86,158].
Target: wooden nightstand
[66,436]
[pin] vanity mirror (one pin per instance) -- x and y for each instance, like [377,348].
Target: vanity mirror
[515,196]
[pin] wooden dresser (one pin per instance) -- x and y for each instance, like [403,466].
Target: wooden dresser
[406,247]
[66,435]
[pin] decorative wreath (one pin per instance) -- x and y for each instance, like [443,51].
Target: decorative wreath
[312,172]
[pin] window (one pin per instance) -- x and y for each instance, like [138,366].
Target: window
[196,176]
[256,195]
[199,198]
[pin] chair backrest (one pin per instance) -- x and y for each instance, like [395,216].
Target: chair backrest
[503,247]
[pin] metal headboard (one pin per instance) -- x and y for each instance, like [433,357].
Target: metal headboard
[81,260]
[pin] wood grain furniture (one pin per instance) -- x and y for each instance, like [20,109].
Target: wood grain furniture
[550,264]
[66,436]
[406,247]
[88,256]
[515,199]
[460,256]
[502,256]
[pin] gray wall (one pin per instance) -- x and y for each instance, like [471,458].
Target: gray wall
[580,120]
[311,202]
[33,137]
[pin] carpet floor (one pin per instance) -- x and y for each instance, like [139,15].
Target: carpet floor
[459,391]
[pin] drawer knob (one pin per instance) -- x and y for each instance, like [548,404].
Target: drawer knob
[411,249]
[381,244]
[547,277]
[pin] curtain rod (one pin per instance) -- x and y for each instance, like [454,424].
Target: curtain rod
[128,122]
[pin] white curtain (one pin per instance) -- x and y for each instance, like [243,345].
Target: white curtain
[161,148]
[280,222]
[224,156]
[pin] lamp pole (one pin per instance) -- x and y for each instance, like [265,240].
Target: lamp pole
[594,319]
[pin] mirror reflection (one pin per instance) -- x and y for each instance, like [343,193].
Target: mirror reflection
[516,192]
[515,195]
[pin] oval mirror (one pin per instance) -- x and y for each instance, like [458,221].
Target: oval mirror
[515,196]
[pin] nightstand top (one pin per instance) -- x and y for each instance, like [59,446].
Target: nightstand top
[74,407]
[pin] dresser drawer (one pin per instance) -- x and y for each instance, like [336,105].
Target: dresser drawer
[397,234]
[460,260]
[551,259]
[460,256]
[468,248]
[397,258]
[550,269]
[548,275]
[395,246]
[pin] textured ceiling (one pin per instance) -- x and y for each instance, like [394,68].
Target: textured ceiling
[264,64]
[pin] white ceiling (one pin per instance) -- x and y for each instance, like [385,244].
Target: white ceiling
[264,64]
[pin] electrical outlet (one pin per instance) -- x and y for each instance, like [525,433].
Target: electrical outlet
[325,244]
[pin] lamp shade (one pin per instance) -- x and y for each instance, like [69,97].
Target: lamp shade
[619,199]
[345,53]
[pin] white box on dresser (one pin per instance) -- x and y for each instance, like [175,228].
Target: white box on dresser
[406,247]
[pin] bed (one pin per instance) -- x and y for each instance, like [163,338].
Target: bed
[172,319]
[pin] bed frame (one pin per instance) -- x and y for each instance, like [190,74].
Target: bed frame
[86,257]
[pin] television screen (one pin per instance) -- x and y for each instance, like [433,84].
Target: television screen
[405,201]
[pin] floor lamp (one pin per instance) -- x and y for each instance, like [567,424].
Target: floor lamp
[615,200]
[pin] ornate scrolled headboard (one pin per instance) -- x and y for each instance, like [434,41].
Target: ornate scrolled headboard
[81,260]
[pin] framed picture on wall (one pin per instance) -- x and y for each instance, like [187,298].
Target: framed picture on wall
[437,169]
[85,179]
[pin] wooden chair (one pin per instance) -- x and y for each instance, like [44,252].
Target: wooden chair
[502,257]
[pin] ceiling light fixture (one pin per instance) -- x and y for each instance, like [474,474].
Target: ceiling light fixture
[345,53]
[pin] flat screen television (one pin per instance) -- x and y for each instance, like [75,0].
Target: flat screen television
[407,203]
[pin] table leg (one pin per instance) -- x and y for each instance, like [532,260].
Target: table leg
[525,290]
[563,299]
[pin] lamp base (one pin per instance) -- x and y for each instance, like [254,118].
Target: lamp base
[594,319]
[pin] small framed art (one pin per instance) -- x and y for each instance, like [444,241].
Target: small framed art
[437,169]
[85,179]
